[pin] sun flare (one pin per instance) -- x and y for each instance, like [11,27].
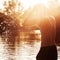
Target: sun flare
[30,3]
[1,4]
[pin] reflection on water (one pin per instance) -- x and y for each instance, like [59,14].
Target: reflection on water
[22,50]
[27,51]
[6,52]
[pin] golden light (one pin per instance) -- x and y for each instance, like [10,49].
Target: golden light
[1,4]
[37,31]
[30,3]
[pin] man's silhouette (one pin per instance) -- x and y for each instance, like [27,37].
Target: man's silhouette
[48,49]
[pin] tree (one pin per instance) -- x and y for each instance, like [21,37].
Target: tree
[14,9]
[9,29]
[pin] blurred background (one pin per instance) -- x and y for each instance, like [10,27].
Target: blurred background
[18,42]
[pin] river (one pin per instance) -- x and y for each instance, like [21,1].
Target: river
[21,50]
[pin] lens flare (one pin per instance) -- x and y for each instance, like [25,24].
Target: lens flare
[30,3]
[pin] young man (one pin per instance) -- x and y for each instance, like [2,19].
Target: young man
[48,50]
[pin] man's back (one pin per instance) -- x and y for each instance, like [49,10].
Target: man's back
[48,31]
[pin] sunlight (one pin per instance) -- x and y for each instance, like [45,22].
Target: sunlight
[30,3]
[37,31]
[58,2]
[1,4]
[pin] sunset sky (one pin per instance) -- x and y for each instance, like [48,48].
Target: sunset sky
[38,7]
[30,3]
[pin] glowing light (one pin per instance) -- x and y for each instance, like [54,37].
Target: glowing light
[58,2]
[37,31]
[30,3]
[1,4]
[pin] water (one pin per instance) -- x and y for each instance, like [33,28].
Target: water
[58,48]
[27,51]
[22,49]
